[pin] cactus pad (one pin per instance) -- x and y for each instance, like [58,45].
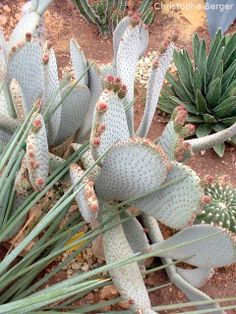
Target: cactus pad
[95,88]
[130,169]
[217,249]
[27,25]
[18,99]
[175,205]
[196,277]
[87,161]
[50,88]
[73,111]
[86,199]
[25,67]
[127,279]
[79,62]
[109,123]
[155,82]
[37,154]
[134,233]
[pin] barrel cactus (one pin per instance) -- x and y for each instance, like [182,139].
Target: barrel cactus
[207,88]
[107,14]
[220,209]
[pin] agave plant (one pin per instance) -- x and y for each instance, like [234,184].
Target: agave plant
[107,14]
[222,200]
[207,89]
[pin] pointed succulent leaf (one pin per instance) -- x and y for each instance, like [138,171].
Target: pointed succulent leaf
[127,279]
[25,66]
[225,107]
[26,26]
[135,234]
[37,154]
[154,88]
[203,130]
[18,99]
[50,88]
[196,277]
[211,247]
[79,62]
[109,123]
[170,204]
[95,88]
[130,169]
[219,149]
[73,111]
[87,161]
[86,198]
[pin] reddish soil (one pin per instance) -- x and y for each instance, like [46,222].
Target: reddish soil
[64,22]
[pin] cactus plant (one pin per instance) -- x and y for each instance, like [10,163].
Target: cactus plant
[222,201]
[139,173]
[107,14]
[129,170]
[207,88]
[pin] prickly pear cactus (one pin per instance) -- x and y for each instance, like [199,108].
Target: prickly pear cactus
[220,208]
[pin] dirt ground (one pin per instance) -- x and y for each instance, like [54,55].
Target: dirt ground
[64,22]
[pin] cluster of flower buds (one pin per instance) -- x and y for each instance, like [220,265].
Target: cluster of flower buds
[183,150]
[36,125]
[135,19]
[115,84]
[172,38]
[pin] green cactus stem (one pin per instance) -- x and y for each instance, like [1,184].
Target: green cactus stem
[221,209]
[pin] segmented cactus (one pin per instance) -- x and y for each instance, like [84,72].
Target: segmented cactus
[221,207]
[107,14]
[207,89]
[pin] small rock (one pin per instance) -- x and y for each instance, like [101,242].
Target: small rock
[17,16]
[85,267]
[6,8]
[125,305]
[108,292]
[75,266]
[3,20]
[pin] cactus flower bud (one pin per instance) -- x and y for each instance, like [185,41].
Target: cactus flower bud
[39,181]
[206,199]
[155,63]
[28,37]
[96,141]
[100,129]
[45,59]
[36,125]
[102,107]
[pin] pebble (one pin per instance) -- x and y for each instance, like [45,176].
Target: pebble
[6,8]
[85,267]
[3,20]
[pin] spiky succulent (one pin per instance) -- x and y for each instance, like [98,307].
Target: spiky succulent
[106,14]
[221,209]
[206,88]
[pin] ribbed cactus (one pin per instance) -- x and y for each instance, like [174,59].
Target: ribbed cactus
[106,14]
[221,207]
